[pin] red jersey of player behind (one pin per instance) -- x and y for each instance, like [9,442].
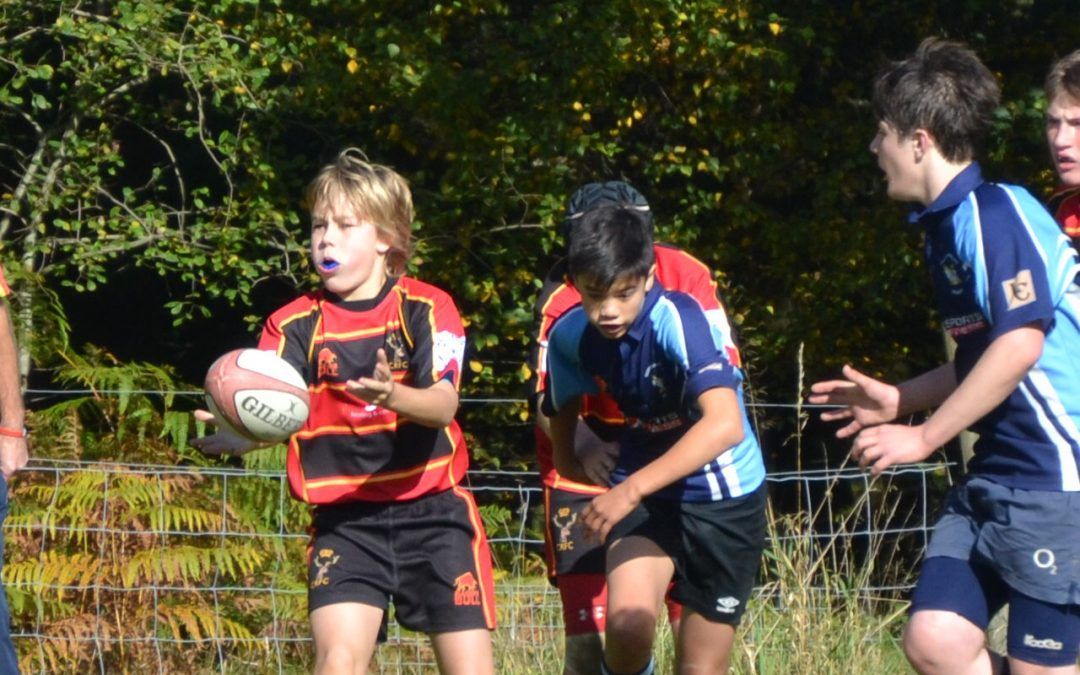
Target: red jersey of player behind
[1065,205]
[350,450]
[675,270]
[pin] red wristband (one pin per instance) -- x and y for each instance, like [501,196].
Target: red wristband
[14,433]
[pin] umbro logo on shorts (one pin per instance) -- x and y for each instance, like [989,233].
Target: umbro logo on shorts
[726,605]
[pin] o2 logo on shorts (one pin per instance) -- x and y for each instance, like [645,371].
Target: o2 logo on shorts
[466,590]
[1044,559]
[324,561]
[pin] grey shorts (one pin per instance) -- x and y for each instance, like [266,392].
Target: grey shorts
[1029,538]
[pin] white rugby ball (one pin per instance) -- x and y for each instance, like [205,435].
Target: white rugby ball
[257,395]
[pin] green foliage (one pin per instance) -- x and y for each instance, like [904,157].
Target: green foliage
[177,136]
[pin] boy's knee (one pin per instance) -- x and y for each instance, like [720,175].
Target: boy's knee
[631,624]
[941,642]
[337,660]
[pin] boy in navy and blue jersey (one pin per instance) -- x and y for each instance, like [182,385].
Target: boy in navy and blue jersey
[1005,281]
[688,495]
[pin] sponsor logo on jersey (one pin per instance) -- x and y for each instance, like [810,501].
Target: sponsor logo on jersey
[1020,290]
[963,325]
[466,590]
[323,562]
[328,363]
[448,348]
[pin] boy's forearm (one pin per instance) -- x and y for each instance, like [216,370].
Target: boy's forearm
[12,412]
[719,429]
[928,390]
[563,427]
[433,406]
[997,373]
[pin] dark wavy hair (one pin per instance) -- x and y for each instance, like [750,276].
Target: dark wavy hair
[943,88]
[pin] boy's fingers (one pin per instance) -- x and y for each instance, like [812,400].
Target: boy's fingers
[857,377]
[205,416]
[833,415]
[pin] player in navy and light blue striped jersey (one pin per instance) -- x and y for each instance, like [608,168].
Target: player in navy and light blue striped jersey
[671,354]
[687,504]
[1005,284]
[1000,262]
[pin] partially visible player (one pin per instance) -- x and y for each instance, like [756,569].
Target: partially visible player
[13,452]
[1063,137]
[688,493]
[380,456]
[576,566]
[1005,282]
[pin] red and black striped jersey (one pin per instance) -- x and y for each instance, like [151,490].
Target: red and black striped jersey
[1065,205]
[350,450]
[675,270]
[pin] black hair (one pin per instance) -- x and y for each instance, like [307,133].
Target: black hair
[611,242]
[943,88]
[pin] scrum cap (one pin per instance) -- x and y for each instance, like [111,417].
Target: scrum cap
[591,195]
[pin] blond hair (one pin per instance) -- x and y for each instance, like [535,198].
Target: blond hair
[377,193]
[1064,78]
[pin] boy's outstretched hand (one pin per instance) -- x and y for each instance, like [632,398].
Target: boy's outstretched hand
[866,401]
[880,447]
[223,442]
[603,512]
[378,388]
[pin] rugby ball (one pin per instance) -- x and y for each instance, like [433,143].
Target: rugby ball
[257,394]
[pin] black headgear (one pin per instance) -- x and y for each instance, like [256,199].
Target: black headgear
[591,195]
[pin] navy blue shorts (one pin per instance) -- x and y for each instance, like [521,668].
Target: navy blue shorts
[997,545]
[716,548]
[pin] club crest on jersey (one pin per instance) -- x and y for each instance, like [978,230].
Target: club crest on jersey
[396,354]
[323,561]
[466,590]
[956,273]
[655,378]
[328,363]
[1020,290]
[565,543]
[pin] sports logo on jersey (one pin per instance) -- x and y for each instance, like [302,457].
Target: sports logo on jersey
[565,543]
[328,363]
[323,562]
[1020,290]
[448,348]
[396,354]
[466,590]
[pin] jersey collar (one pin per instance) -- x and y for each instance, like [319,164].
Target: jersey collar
[955,192]
[641,323]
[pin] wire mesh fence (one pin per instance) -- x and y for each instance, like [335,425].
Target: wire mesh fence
[134,567]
